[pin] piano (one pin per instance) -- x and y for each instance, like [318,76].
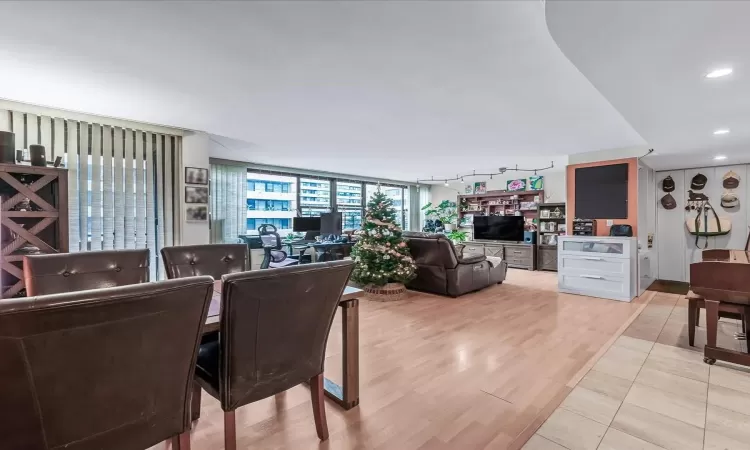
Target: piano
[722,279]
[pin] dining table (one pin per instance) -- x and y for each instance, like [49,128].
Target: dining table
[345,394]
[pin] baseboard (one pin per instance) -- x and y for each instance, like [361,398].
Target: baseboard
[670,287]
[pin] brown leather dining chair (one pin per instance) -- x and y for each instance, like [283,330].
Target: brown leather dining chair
[70,272]
[103,368]
[274,328]
[210,259]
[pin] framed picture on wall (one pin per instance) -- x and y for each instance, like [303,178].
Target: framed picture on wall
[195,175]
[196,194]
[516,185]
[196,213]
[536,183]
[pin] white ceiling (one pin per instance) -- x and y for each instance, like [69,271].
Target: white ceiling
[649,58]
[387,89]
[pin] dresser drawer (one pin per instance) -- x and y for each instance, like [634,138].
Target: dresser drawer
[595,285]
[473,249]
[524,263]
[595,247]
[520,251]
[597,265]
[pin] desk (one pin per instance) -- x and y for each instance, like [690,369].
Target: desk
[346,394]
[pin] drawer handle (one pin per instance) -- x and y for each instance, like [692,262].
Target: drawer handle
[517,251]
[593,258]
[593,277]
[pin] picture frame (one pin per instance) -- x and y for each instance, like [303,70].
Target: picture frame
[544,214]
[562,228]
[196,175]
[536,182]
[196,214]
[480,187]
[516,185]
[196,194]
[469,189]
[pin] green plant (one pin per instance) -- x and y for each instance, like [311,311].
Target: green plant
[457,236]
[445,212]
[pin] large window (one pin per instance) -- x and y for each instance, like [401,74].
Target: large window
[349,203]
[314,197]
[271,199]
[276,198]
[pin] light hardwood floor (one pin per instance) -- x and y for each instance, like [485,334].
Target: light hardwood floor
[480,371]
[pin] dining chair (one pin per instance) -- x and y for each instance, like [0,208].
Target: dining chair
[274,328]
[104,368]
[210,259]
[70,272]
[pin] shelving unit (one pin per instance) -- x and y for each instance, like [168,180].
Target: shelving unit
[519,255]
[547,252]
[42,228]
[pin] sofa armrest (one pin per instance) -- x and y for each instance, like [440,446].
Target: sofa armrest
[472,259]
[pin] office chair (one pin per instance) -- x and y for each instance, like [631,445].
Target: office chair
[274,256]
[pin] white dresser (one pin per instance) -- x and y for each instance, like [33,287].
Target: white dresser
[598,266]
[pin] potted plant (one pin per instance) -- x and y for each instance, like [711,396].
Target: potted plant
[457,236]
[445,212]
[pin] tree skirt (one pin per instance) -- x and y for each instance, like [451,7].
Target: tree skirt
[388,293]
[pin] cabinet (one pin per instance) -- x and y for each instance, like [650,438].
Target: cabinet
[517,255]
[598,266]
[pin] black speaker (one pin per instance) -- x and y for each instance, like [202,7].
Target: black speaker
[38,157]
[7,147]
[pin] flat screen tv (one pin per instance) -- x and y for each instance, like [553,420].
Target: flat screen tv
[331,223]
[499,228]
[301,224]
[602,192]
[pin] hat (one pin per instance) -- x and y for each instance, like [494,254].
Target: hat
[729,200]
[698,182]
[667,184]
[697,197]
[668,202]
[731,180]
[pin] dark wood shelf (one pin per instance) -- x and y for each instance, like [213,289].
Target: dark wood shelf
[45,228]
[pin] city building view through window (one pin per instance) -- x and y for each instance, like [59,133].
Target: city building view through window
[277,198]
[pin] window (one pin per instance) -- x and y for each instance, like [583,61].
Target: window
[271,199]
[315,196]
[349,203]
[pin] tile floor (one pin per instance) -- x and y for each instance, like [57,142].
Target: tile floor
[652,391]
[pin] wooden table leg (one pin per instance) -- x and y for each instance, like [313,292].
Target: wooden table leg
[712,326]
[348,394]
[692,307]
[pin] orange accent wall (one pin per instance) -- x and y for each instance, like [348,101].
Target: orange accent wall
[601,224]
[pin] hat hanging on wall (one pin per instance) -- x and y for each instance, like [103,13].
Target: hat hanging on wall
[667,184]
[731,180]
[668,202]
[698,182]
[729,200]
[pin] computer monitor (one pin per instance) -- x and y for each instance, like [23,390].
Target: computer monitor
[301,224]
[331,223]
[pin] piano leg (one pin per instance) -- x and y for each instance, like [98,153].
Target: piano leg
[712,324]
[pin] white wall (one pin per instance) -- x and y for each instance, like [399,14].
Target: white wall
[554,187]
[675,245]
[195,150]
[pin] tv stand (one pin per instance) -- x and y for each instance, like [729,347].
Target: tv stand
[517,254]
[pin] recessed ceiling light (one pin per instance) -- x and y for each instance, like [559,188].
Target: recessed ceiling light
[719,73]
[719,158]
[722,131]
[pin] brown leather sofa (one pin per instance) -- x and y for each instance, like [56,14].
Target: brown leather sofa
[71,272]
[103,368]
[274,329]
[442,270]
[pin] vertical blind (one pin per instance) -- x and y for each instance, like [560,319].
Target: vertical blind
[228,203]
[121,181]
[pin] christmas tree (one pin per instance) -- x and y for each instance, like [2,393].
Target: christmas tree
[381,255]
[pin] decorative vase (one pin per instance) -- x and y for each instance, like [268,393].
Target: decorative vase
[387,293]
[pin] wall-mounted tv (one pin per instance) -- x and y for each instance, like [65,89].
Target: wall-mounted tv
[602,192]
[499,228]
